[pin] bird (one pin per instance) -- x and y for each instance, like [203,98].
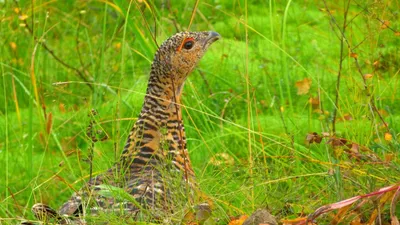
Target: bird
[154,167]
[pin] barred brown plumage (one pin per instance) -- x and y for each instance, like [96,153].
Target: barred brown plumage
[155,154]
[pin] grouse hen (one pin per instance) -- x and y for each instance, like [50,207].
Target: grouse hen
[154,165]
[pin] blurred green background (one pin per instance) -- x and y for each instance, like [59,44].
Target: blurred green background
[250,105]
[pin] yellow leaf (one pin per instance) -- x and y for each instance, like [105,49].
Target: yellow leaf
[303,86]
[388,137]
[13,45]
[368,76]
[16,10]
[23,17]
[117,45]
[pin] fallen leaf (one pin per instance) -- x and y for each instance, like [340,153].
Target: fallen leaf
[314,102]
[117,45]
[313,137]
[388,137]
[353,55]
[13,46]
[345,117]
[238,221]
[397,33]
[61,107]
[325,134]
[383,112]
[389,157]
[303,86]
[384,195]
[23,17]
[356,220]
[385,24]
[296,221]
[368,76]
[337,142]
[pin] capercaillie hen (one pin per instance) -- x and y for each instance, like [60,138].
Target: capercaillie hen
[155,153]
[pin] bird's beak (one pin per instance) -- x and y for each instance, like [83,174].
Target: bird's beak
[211,38]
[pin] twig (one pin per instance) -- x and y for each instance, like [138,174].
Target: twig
[153,36]
[343,30]
[16,202]
[205,81]
[174,15]
[51,52]
[92,138]
[366,89]
[77,43]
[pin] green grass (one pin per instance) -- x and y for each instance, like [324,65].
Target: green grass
[260,122]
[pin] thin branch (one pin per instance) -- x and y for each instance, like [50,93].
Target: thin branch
[77,43]
[174,16]
[51,52]
[343,30]
[366,89]
[205,81]
[153,36]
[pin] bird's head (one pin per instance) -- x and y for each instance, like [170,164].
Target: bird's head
[179,54]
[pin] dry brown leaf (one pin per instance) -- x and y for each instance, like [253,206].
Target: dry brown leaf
[296,221]
[49,122]
[385,24]
[313,137]
[303,86]
[314,102]
[368,76]
[356,220]
[353,55]
[384,195]
[337,142]
[238,221]
[61,107]
[347,117]
[397,33]
[389,157]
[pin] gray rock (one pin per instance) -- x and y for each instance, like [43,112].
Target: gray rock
[260,216]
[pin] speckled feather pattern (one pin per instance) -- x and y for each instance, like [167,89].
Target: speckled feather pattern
[155,152]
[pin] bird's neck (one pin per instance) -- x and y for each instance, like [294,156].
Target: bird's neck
[159,133]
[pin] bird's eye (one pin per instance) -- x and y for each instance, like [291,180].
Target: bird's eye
[188,45]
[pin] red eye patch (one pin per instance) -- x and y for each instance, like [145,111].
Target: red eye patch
[186,40]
